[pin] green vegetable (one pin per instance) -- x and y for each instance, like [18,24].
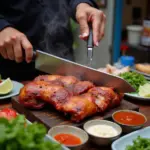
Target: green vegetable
[139,144]
[17,135]
[134,79]
[144,90]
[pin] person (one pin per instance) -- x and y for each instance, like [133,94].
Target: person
[43,24]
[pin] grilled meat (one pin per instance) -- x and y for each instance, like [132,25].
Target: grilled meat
[105,98]
[70,82]
[80,107]
[79,99]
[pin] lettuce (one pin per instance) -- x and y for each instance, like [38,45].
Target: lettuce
[139,144]
[134,79]
[17,135]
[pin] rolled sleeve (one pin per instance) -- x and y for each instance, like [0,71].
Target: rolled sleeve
[74,3]
[4,24]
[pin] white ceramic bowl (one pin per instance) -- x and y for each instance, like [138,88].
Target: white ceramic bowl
[70,130]
[102,141]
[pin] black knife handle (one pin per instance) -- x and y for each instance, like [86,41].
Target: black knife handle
[34,55]
[90,38]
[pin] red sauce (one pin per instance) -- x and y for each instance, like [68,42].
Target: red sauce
[0,81]
[129,118]
[67,139]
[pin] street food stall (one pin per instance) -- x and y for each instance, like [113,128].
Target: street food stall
[76,106]
[69,106]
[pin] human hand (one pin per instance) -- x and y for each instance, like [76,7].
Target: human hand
[12,42]
[85,14]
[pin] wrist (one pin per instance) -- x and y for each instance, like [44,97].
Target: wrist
[82,6]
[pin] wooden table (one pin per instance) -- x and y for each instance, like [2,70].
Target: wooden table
[144,108]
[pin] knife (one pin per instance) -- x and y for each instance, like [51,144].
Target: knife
[51,64]
[90,47]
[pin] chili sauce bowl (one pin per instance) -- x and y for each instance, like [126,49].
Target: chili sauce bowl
[70,130]
[129,120]
[100,139]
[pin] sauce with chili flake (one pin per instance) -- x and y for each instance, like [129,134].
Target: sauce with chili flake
[67,139]
[129,118]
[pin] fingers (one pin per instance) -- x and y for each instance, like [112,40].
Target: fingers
[9,49]
[17,50]
[96,30]
[98,24]
[3,51]
[102,30]
[28,48]
[84,28]
[86,14]
[13,43]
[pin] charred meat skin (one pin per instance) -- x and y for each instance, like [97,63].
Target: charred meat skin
[32,94]
[80,107]
[70,82]
[105,98]
[69,95]
[62,100]
[82,87]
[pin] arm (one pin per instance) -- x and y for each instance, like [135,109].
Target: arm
[73,4]
[3,23]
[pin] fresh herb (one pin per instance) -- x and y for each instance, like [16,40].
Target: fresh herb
[134,79]
[139,144]
[17,135]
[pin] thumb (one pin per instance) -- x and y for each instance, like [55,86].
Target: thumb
[84,28]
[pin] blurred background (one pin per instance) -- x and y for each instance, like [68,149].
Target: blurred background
[127,32]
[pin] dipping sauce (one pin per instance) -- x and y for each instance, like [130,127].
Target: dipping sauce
[102,131]
[129,118]
[67,139]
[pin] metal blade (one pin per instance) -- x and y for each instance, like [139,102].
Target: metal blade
[90,47]
[90,57]
[54,65]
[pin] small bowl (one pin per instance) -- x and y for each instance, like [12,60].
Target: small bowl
[129,128]
[70,130]
[102,141]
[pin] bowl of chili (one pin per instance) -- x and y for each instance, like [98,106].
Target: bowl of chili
[129,120]
[72,137]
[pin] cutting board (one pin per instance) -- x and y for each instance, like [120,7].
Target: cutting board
[50,117]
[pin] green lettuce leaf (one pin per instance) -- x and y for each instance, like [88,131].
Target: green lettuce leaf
[17,135]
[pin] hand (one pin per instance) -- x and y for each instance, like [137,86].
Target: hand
[85,14]
[11,44]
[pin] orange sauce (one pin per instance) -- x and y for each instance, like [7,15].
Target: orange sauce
[129,118]
[67,139]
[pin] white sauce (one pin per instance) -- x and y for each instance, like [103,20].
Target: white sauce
[102,131]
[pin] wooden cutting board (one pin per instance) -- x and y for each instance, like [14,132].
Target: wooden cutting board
[50,117]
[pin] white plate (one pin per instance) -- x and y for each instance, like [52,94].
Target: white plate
[16,89]
[121,143]
[137,96]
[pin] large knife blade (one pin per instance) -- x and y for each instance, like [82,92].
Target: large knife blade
[55,65]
